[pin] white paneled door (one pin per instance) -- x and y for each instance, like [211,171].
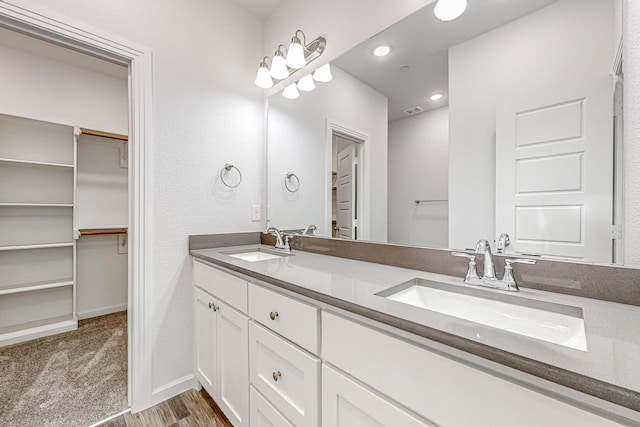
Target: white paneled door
[554,172]
[346,193]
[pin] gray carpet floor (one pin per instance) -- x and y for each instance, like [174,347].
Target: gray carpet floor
[72,379]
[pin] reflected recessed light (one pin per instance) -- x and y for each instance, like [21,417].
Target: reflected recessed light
[382,50]
[436,96]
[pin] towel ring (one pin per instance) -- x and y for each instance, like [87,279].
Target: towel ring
[227,167]
[287,178]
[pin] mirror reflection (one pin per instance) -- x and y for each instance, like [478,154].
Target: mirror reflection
[503,122]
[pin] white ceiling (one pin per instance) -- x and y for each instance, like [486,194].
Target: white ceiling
[262,8]
[420,42]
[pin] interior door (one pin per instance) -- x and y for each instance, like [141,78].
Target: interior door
[554,171]
[346,193]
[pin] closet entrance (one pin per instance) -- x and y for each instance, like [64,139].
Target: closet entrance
[64,208]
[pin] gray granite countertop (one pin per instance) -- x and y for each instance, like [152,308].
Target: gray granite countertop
[608,369]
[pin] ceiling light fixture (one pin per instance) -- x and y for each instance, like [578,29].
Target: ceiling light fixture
[291,92]
[287,63]
[436,96]
[448,10]
[382,50]
[263,77]
[323,74]
[279,68]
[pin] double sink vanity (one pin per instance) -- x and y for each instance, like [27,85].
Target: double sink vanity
[322,336]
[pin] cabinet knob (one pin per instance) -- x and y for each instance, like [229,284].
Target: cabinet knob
[210,306]
[276,375]
[216,307]
[273,315]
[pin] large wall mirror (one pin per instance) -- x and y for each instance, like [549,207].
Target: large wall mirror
[506,120]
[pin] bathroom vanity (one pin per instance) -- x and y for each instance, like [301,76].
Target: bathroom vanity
[307,339]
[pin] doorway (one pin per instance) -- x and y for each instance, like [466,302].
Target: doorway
[42,24]
[346,187]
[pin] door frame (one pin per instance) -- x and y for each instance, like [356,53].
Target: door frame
[362,141]
[61,30]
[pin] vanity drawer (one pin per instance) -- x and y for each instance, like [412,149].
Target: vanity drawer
[228,288]
[263,414]
[289,317]
[439,388]
[286,375]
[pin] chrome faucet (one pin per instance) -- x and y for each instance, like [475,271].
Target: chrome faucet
[282,243]
[309,231]
[507,283]
[489,273]
[503,242]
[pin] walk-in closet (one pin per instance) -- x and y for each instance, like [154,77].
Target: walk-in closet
[63,234]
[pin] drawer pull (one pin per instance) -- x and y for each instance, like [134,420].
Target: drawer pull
[276,375]
[273,315]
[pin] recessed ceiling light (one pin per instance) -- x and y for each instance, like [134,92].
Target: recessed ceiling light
[436,96]
[382,50]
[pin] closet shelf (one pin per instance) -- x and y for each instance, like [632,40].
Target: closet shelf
[37,286]
[41,246]
[39,328]
[53,205]
[34,162]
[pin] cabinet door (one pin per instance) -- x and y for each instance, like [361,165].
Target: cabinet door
[263,414]
[205,325]
[233,364]
[349,404]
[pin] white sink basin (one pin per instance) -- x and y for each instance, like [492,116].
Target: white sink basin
[254,255]
[551,322]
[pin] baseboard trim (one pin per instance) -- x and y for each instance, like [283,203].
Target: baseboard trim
[174,388]
[102,311]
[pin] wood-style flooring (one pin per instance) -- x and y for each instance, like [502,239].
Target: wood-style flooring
[191,408]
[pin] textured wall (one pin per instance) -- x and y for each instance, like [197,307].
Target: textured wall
[418,169]
[632,133]
[206,111]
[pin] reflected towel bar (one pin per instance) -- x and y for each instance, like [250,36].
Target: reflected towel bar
[102,231]
[104,134]
[430,201]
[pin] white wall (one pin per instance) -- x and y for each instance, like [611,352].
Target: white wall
[298,143]
[206,112]
[418,169]
[631,65]
[485,71]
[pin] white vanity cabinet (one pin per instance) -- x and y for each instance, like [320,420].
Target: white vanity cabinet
[283,367]
[222,341]
[443,390]
[347,403]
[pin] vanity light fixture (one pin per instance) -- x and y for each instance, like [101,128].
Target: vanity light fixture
[287,61]
[448,10]
[295,53]
[382,50]
[306,83]
[279,68]
[436,96]
[291,92]
[323,74]
[263,77]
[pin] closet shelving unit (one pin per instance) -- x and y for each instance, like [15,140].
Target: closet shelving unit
[37,245]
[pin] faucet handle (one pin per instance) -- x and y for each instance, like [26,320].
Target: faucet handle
[472,272]
[507,279]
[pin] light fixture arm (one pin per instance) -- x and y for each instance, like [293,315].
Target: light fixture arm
[279,51]
[304,37]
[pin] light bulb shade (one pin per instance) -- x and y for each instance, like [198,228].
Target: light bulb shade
[263,78]
[323,74]
[306,83]
[448,10]
[291,92]
[278,67]
[295,54]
